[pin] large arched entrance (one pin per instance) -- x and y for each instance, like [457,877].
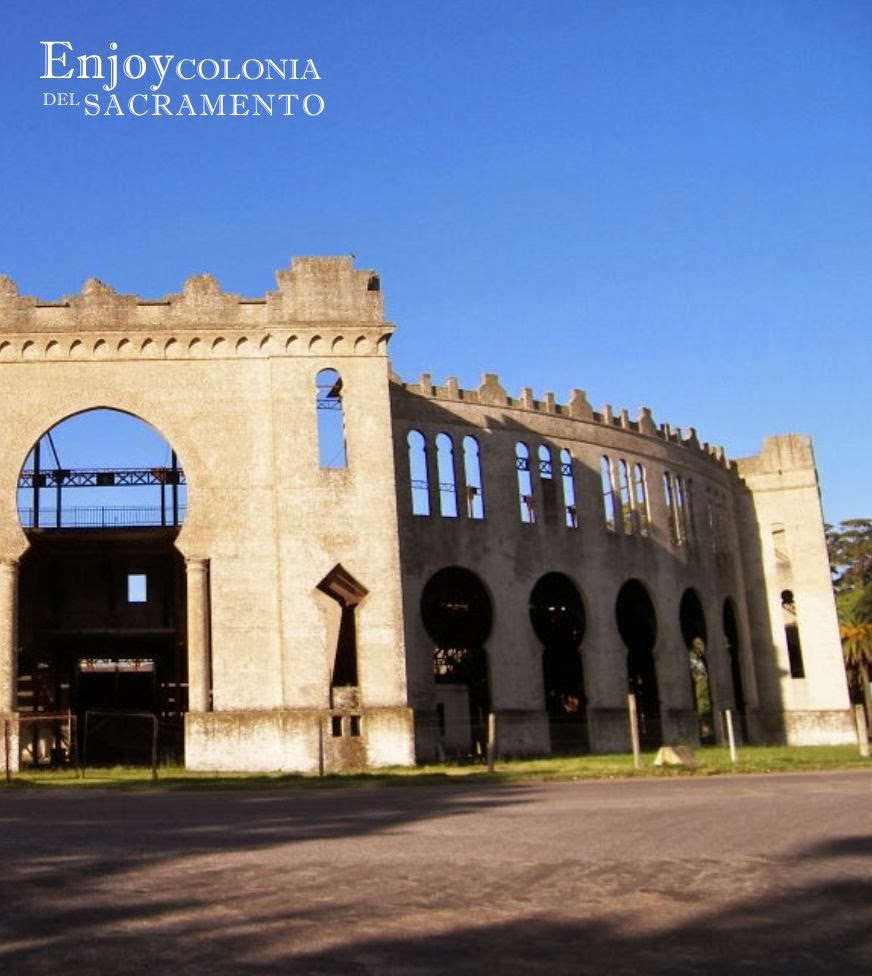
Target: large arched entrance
[102,669]
[457,614]
[637,625]
[558,618]
[693,630]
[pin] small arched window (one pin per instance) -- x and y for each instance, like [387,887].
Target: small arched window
[681,516]
[791,634]
[472,478]
[673,495]
[568,489]
[609,501]
[525,483]
[626,498]
[640,499]
[447,479]
[331,419]
[419,479]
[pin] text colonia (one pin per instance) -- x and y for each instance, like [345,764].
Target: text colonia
[61,64]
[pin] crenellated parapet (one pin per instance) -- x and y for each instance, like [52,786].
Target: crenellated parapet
[491,393]
[323,306]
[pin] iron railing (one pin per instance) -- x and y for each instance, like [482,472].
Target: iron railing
[103,517]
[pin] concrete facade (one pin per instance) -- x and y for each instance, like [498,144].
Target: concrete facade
[299,571]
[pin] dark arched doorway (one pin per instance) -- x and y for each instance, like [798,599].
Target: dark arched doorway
[102,598]
[558,619]
[693,630]
[457,615]
[637,625]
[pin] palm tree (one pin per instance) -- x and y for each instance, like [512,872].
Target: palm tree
[855,629]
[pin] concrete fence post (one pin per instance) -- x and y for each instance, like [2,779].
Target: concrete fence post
[634,730]
[862,731]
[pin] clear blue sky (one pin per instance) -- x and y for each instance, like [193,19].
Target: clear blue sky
[664,203]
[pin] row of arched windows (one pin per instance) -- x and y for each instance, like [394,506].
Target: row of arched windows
[716,504]
[551,496]
[676,495]
[625,496]
[470,493]
[459,478]
[547,483]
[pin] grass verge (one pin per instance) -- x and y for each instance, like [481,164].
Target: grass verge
[712,761]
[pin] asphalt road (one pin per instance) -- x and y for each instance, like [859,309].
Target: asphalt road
[719,876]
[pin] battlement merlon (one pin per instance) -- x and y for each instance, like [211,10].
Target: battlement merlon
[492,393]
[313,291]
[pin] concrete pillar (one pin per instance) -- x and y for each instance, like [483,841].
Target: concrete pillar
[8,633]
[199,636]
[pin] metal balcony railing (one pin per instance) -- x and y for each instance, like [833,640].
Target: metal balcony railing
[102,517]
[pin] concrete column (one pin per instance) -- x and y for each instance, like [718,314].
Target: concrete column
[8,633]
[199,636]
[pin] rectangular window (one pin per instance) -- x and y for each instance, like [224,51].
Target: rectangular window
[137,588]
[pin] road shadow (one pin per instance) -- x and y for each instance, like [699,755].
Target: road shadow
[263,883]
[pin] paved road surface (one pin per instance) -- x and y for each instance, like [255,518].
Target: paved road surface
[717,876]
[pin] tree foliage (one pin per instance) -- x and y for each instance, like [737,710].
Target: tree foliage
[850,550]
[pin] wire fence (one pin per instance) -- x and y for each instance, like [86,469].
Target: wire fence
[107,737]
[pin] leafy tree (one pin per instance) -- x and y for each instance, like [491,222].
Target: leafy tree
[855,629]
[850,551]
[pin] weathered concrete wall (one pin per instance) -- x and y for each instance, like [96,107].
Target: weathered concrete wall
[786,551]
[231,384]
[713,560]
[297,740]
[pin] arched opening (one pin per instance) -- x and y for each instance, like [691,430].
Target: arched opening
[457,615]
[791,634]
[447,476]
[525,483]
[419,478]
[558,619]
[731,637]
[675,496]
[610,510]
[331,419]
[693,630]
[626,498]
[568,489]
[547,486]
[637,624]
[472,477]
[101,469]
[102,667]
[640,500]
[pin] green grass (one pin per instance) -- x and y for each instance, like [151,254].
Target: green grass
[712,761]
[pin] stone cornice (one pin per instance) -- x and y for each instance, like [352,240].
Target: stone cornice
[322,305]
[200,344]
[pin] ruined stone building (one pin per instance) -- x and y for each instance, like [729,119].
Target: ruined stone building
[350,569]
